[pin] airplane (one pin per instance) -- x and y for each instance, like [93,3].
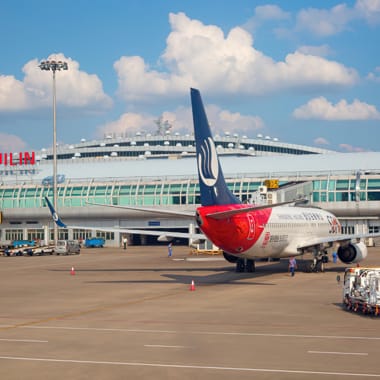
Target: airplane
[246,232]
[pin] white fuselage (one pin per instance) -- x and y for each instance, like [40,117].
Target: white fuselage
[290,227]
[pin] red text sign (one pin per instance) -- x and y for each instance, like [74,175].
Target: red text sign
[18,159]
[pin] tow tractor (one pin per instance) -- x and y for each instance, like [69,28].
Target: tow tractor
[26,248]
[361,290]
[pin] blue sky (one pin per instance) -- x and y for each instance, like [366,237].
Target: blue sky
[306,72]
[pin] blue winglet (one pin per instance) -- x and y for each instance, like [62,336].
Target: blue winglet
[214,190]
[54,214]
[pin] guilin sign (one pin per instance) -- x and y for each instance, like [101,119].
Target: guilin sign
[18,159]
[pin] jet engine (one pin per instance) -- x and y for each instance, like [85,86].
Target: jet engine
[352,253]
[230,258]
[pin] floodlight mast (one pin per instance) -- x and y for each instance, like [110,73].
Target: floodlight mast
[54,66]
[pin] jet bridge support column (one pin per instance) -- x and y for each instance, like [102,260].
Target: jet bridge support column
[46,234]
[191,232]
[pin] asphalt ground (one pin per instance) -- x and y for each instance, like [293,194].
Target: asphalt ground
[130,314]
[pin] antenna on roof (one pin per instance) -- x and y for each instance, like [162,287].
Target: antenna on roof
[163,127]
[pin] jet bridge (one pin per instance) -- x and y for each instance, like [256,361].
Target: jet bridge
[269,193]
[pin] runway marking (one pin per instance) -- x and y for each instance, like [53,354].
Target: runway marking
[24,340]
[204,332]
[162,346]
[188,366]
[338,353]
[201,259]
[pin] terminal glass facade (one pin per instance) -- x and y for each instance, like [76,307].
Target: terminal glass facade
[171,192]
[159,193]
[346,190]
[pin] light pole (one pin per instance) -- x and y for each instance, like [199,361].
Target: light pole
[54,66]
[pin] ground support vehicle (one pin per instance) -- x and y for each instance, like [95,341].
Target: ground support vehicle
[361,290]
[94,243]
[26,250]
[43,250]
[23,243]
[67,247]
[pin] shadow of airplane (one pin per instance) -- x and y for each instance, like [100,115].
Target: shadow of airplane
[222,275]
[220,278]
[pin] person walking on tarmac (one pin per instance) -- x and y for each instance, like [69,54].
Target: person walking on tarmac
[292,265]
[170,249]
[125,242]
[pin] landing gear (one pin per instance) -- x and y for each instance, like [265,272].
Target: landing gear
[245,265]
[318,262]
[250,266]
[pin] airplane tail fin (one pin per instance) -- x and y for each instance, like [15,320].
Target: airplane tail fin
[56,218]
[214,190]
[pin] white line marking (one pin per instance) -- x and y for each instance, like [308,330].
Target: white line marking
[204,259]
[185,366]
[162,346]
[204,333]
[338,353]
[24,340]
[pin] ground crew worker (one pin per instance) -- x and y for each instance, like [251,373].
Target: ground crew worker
[292,265]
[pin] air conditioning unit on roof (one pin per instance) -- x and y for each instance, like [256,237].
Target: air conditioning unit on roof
[263,189]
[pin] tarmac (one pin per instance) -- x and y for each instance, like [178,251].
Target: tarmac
[128,314]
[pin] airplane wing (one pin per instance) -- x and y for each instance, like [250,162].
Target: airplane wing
[161,235]
[146,209]
[339,238]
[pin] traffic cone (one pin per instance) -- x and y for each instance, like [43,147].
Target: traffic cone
[192,286]
[72,272]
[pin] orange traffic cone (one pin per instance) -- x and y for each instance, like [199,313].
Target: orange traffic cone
[72,272]
[192,286]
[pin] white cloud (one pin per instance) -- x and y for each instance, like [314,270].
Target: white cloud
[265,13]
[75,88]
[199,55]
[321,108]
[181,121]
[128,123]
[325,22]
[11,143]
[321,51]
[328,22]
[374,76]
[271,12]
[13,95]
[369,10]
[351,148]
[321,141]
[223,120]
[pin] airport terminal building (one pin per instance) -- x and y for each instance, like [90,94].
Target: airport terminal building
[160,171]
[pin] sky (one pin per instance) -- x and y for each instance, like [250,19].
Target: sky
[305,72]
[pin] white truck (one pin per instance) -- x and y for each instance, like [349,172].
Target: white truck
[361,290]
[67,247]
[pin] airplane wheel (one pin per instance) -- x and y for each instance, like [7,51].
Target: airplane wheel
[250,266]
[240,266]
